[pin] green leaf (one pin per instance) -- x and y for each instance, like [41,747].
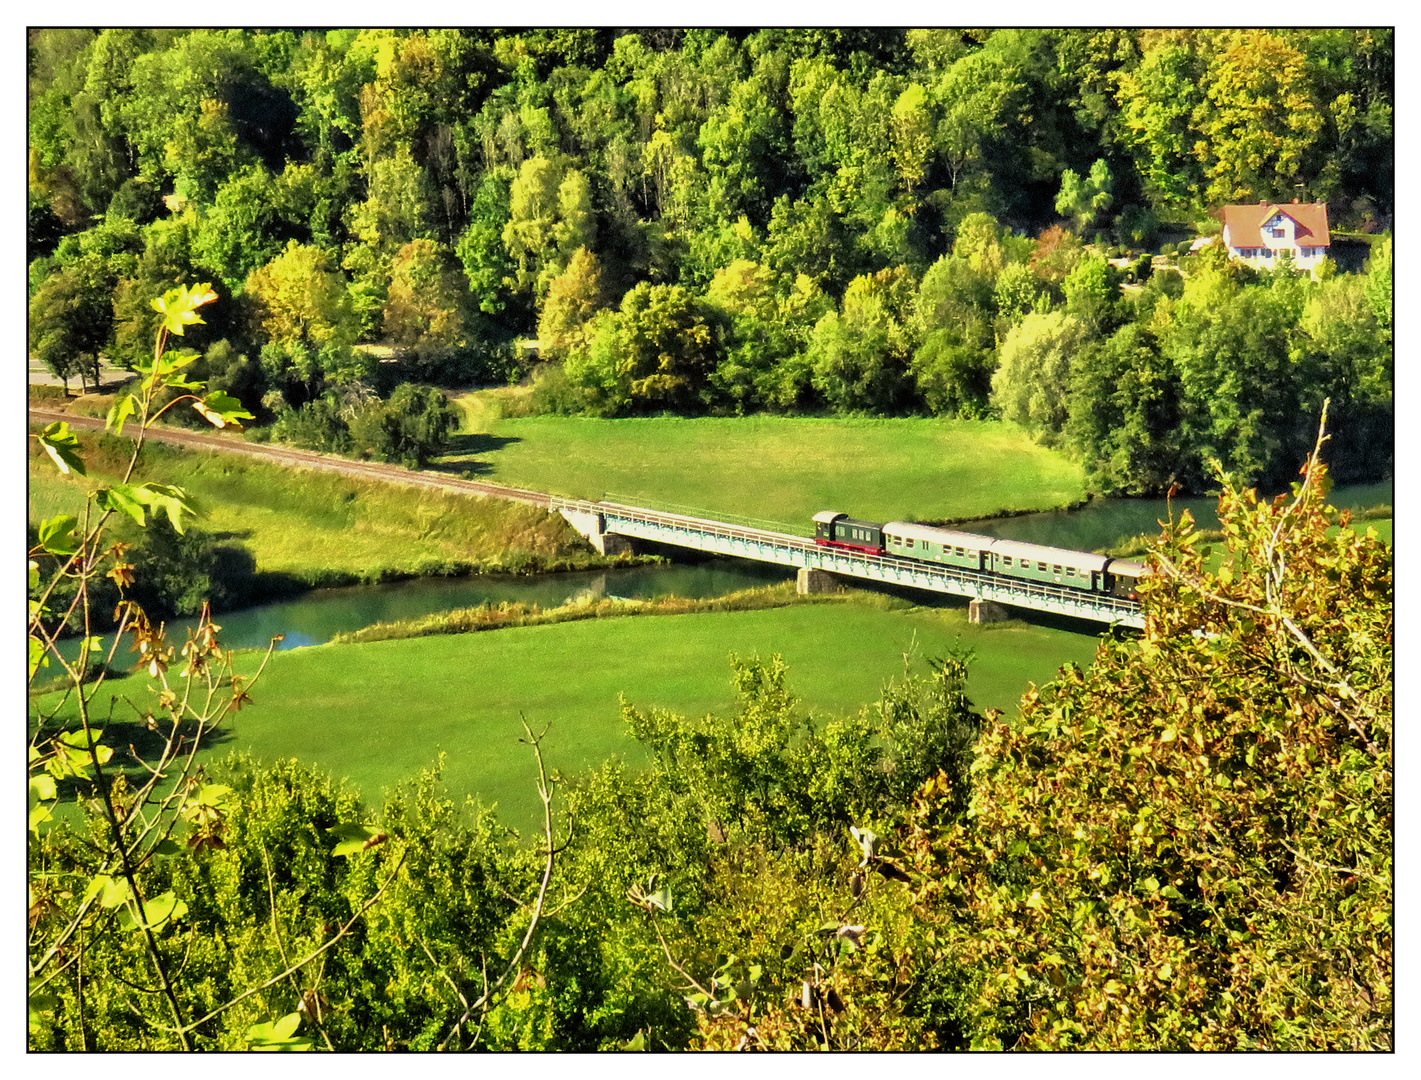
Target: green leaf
[39,1005]
[167,846]
[111,891]
[168,499]
[38,659]
[179,306]
[660,899]
[61,445]
[56,535]
[355,838]
[120,411]
[278,1034]
[120,499]
[42,786]
[157,913]
[214,795]
[221,409]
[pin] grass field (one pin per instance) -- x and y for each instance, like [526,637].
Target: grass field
[782,469]
[318,526]
[376,713]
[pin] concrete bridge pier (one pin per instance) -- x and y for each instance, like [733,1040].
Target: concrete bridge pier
[809,580]
[612,544]
[984,611]
[593,526]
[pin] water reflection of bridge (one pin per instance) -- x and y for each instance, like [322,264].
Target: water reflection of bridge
[610,525]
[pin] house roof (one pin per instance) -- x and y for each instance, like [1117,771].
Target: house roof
[1245,222]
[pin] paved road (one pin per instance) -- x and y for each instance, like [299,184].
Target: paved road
[109,376]
[306,459]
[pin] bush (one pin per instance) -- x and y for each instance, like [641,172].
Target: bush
[413,426]
[316,425]
[554,394]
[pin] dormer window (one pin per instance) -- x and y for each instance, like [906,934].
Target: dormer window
[1278,233]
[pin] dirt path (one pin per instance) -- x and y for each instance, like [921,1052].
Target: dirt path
[306,459]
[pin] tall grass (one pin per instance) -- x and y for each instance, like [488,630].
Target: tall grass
[507,614]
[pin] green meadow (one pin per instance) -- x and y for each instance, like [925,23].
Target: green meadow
[376,713]
[780,469]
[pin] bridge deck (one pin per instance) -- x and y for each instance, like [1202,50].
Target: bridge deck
[720,538]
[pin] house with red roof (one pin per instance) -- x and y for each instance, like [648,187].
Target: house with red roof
[1259,234]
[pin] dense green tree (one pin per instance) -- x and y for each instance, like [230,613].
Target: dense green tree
[574,297]
[71,319]
[549,218]
[300,297]
[952,370]
[486,262]
[1124,414]
[1085,199]
[1259,122]
[668,345]
[1032,384]
[1159,99]
[411,427]
[423,309]
[1092,293]
[1242,401]
[860,355]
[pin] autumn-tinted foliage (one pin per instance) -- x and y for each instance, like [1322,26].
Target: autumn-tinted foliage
[1190,846]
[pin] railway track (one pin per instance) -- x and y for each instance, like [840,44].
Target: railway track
[307,459]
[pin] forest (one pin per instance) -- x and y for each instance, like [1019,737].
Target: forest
[861,222]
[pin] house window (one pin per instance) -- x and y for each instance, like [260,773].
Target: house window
[1278,233]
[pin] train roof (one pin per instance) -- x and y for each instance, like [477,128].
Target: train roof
[1129,568]
[826,516]
[1077,560]
[913,531]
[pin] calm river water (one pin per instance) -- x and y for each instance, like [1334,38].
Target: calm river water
[314,618]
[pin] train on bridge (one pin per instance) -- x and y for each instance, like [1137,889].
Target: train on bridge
[983,554]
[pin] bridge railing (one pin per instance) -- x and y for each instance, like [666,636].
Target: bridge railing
[892,565]
[697,513]
[993,583]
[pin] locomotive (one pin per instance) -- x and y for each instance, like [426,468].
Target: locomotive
[983,554]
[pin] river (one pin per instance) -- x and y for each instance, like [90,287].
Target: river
[313,618]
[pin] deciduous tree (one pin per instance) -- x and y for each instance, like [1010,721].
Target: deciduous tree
[1190,845]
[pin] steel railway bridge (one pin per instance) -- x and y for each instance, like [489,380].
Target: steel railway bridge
[603,522]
